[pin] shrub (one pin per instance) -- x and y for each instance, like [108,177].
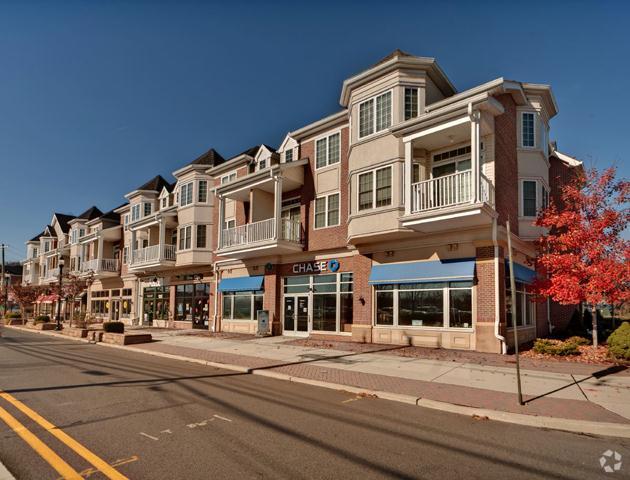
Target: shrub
[13,315]
[619,342]
[580,341]
[42,319]
[114,327]
[555,347]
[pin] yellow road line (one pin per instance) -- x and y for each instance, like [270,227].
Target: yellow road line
[99,463]
[65,470]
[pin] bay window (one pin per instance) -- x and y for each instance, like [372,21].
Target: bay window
[375,188]
[528,129]
[185,237]
[411,103]
[529,198]
[186,194]
[202,192]
[201,236]
[375,114]
[434,305]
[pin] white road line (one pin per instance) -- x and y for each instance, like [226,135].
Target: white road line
[149,436]
[222,418]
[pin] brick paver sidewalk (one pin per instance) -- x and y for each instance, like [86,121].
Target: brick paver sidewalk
[455,394]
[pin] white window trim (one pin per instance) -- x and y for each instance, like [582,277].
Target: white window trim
[327,225]
[528,322]
[252,294]
[404,105]
[198,182]
[521,143]
[192,239]
[208,236]
[540,185]
[373,172]
[373,99]
[327,138]
[445,308]
[227,176]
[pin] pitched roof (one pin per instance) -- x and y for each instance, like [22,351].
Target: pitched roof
[63,220]
[90,214]
[37,237]
[111,215]
[396,53]
[211,158]
[155,184]
[271,149]
[251,152]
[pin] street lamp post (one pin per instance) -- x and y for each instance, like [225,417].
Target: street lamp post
[59,294]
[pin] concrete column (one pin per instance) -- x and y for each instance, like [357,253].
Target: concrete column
[99,253]
[277,206]
[221,219]
[407,198]
[475,163]
[162,237]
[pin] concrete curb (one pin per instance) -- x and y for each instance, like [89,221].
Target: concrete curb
[5,474]
[606,429]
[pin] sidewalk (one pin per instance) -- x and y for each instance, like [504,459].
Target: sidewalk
[590,399]
[603,396]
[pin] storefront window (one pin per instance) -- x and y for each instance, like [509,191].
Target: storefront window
[156,304]
[525,311]
[437,305]
[191,303]
[241,305]
[125,310]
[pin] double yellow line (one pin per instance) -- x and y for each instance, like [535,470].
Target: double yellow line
[55,461]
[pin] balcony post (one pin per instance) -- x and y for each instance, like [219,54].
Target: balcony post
[221,220]
[99,254]
[475,163]
[278,206]
[408,195]
[132,248]
[162,238]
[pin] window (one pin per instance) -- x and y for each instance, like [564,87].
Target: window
[375,188]
[186,194]
[411,103]
[191,302]
[529,198]
[435,305]
[327,211]
[185,234]
[165,202]
[527,129]
[288,156]
[242,305]
[135,213]
[327,150]
[262,164]
[525,308]
[202,194]
[375,114]
[228,178]
[201,236]
[147,209]
[125,255]
[229,224]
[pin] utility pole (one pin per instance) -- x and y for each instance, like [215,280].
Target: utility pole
[4,282]
[513,312]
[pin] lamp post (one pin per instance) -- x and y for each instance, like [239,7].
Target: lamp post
[58,327]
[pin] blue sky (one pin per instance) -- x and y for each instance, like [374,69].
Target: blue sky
[98,97]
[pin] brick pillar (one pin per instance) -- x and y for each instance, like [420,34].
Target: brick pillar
[271,300]
[486,300]
[362,306]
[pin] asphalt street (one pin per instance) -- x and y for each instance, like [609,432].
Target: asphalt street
[152,418]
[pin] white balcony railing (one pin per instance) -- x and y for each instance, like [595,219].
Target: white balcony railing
[265,230]
[449,190]
[100,265]
[153,254]
[51,274]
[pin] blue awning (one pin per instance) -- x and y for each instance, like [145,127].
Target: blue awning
[423,272]
[241,284]
[521,273]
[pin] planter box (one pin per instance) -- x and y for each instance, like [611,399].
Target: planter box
[44,326]
[13,321]
[126,338]
[76,332]
[94,335]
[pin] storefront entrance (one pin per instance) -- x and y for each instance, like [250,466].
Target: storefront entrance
[297,318]
[156,304]
[115,310]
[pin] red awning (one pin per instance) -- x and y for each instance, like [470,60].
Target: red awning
[48,298]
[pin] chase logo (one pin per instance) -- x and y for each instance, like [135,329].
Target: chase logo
[333,265]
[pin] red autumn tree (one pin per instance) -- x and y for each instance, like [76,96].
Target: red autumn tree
[584,254]
[24,295]
[73,286]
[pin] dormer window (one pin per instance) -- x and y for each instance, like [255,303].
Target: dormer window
[165,202]
[375,114]
[288,156]
[262,164]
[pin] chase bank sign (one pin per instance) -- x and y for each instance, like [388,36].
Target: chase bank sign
[316,267]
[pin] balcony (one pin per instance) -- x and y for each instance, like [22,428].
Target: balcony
[100,267]
[51,275]
[153,257]
[257,238]
[449,191]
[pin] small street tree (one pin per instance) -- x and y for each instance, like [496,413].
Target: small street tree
[24,295]
[73,286]
[584,255]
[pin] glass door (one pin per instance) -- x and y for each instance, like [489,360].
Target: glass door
[296,315]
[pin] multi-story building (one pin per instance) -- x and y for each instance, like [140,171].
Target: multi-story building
[384,222]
